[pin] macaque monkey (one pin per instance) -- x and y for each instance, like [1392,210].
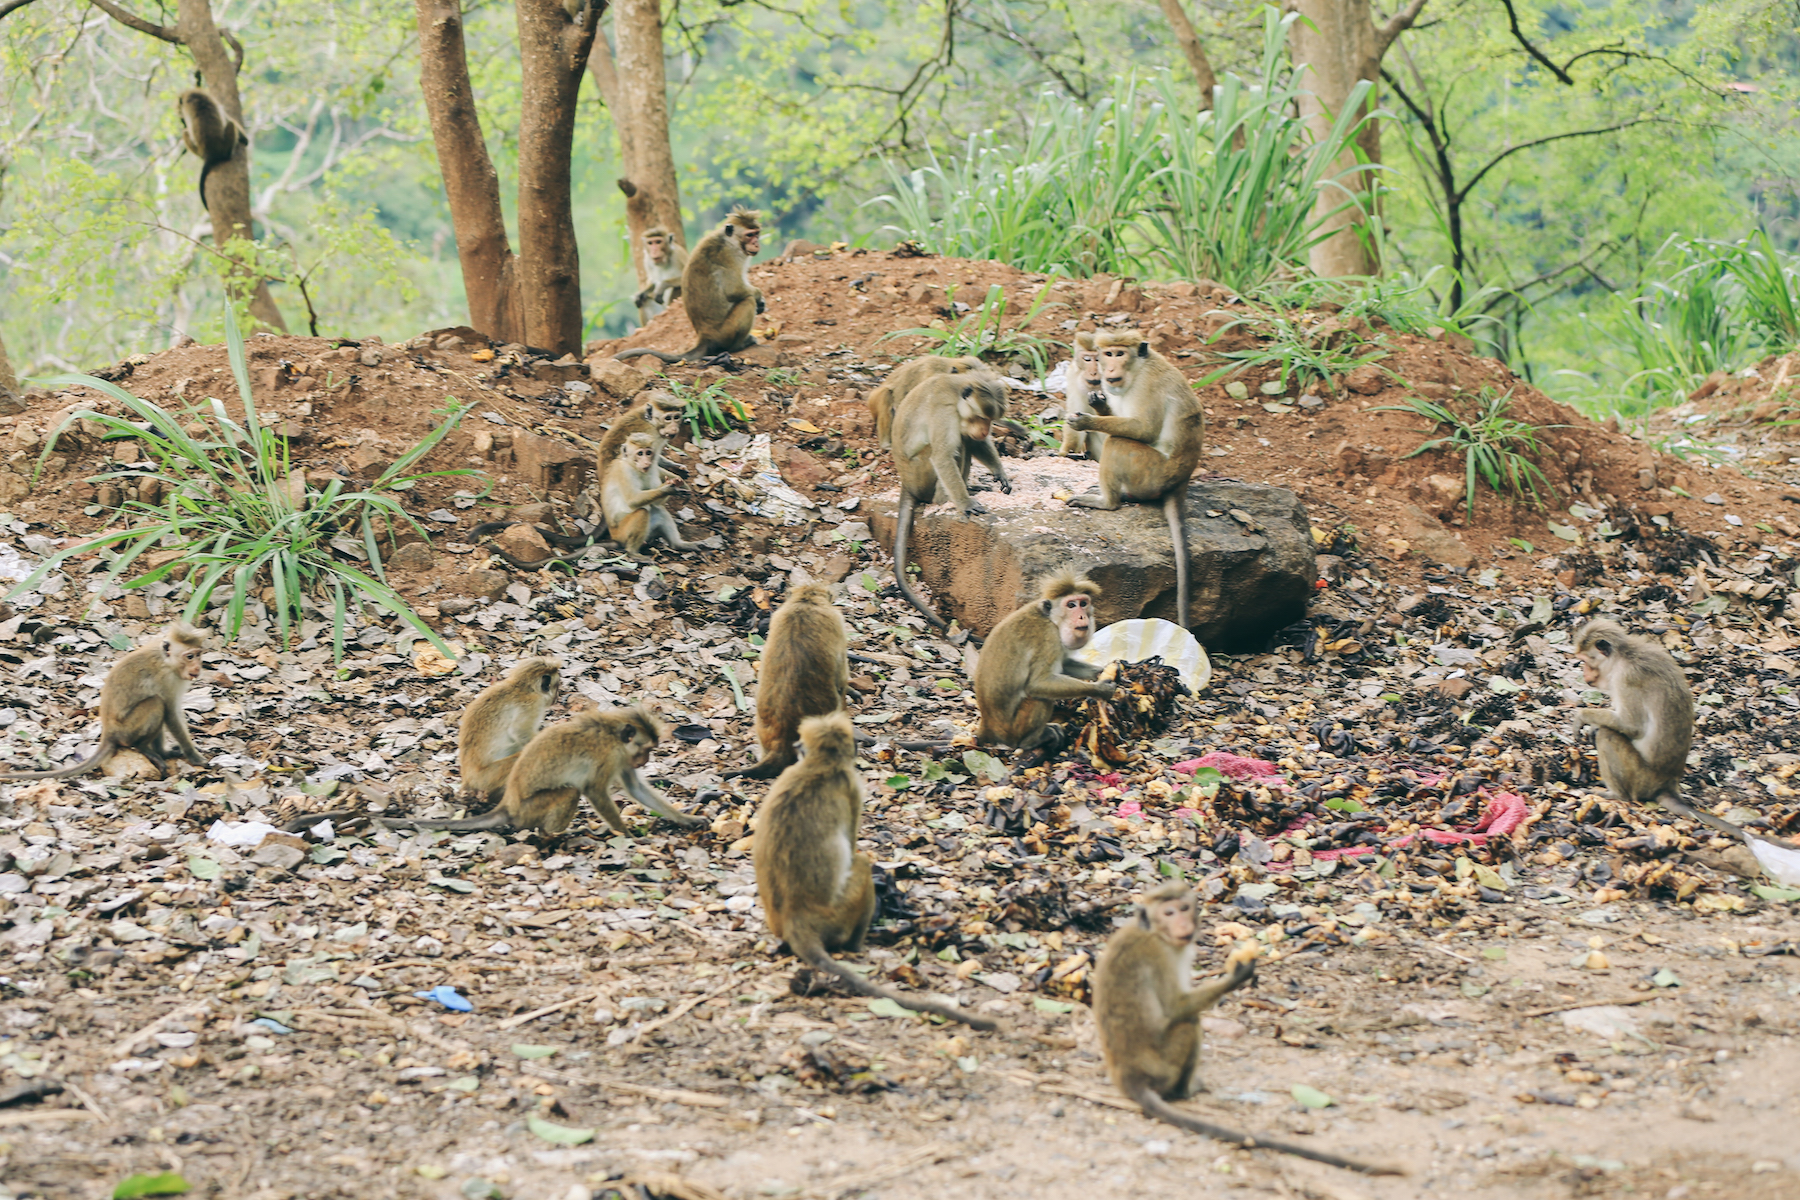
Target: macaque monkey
[1025,667]
[632,496]
[664,261]
[804,674]
[659,415]
[938,427]
[501,721]
[907,376]
[1149,1021]
[1644,738]
[817,892]
[1153,440]
[1083,392]
[141,698]
[721,303]
[588,755]
[209,134]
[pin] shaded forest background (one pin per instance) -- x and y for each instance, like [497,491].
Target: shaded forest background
[1572,184]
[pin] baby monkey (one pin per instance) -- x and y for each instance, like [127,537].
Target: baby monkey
[1644,738]
[141,698]
[632,498]
[1150,1022]
[817,892]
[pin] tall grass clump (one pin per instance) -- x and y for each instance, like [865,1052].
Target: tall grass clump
[1141,183]
[236,514]
[1697,307]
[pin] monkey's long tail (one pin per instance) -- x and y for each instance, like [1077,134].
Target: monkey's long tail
[107,746]
[767,768]
[666,357]
[496,820]
[815,957]
[1175,508]
[1671,799]
[1155,1106]
[902,528]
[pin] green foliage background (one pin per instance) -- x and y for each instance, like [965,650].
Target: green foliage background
[795,106]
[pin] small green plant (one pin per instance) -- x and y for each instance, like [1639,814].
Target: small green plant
[1496,447]
[983,332]
[1303,358]
[237,515]
[782,376]
[706,407]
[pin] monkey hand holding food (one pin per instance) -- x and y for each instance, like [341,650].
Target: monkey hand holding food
[1149,1020]
[817,891]
[1153,440]
[721,302]
[940,424]
[1026,667]
[139,700]
[803,673]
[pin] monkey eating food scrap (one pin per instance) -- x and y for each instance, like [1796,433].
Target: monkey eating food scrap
[1084,392]
[1644,738]
[817,891]
[1026,667]
[140,698]
[1149,1020]
[716,291]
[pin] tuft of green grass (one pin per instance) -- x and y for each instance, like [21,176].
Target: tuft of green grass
[1497,448]
[983,332]
[707,408]
[1303,359]
[238,516]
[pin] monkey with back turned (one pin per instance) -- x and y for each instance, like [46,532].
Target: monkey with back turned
[208,133]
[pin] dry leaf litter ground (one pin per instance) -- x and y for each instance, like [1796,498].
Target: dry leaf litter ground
[1499,979]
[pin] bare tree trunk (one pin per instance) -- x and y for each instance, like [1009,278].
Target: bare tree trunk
[1189,41]
[472,186]
[636,94]
[228,187]
[1342,46]
[553,49]
[8,381]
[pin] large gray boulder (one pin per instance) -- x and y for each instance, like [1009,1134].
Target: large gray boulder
[1247,579]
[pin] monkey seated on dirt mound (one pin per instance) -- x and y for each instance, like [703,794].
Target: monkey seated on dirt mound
[721,302]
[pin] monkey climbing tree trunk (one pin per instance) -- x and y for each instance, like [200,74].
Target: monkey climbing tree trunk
[228,186]
[554,52]
[1341,46]
[635,90]
[472,186]
[1189,41]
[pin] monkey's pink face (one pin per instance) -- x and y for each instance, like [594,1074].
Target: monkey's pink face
[658,248]
[642,460]
[185,659]
[977,428]
[1075,620]
[1115,363]
[1590,670]
[1087,365]
[1174,919]
[637,748]
[750,240]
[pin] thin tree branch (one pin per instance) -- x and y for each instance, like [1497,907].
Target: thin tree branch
[1396,25]
[12,6]
[1512,19]
[167,33]
[1555,137]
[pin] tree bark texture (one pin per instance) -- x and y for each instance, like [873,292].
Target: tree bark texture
[9,382]
[228,187]
[471,185]
[1341,46]
[635,89]
[553,49]
[1189,41]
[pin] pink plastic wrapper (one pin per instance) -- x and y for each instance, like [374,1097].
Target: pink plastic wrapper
[1504,813]
[1225,763]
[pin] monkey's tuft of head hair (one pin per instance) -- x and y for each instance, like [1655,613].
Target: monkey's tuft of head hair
[1067,582]
[1124,337]
[184,633]
[810,593]
[1168,891]
[1602,632]
[656,231]
[831,735]
[646,440]
[1085,340]
[745,218]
